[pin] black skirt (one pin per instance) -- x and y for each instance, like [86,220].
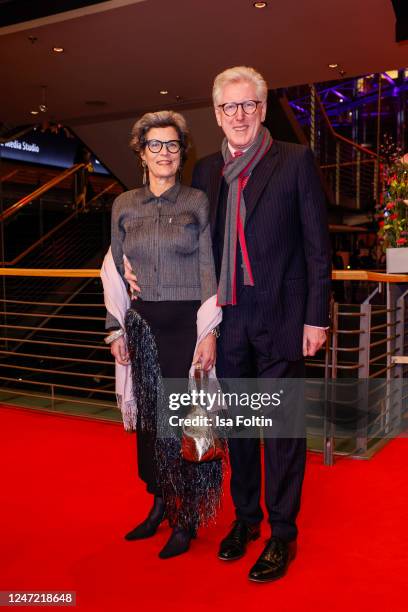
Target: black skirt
[174,328]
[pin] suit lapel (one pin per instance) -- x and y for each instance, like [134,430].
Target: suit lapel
[259,179]
[214,190]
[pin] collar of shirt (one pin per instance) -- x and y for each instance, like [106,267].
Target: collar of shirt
[232,150]
[170,194]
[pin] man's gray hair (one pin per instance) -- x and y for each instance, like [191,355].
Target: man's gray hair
[166,118]
[237,75]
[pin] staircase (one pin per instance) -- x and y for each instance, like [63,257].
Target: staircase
[36,310]
[350,172]
[81,240]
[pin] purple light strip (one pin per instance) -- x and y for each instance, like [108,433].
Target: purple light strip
[388,78]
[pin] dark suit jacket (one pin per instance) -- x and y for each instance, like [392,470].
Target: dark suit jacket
[287,238]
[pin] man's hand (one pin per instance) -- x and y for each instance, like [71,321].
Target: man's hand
[119,351]
[131,278]
[206,352]
[313,340]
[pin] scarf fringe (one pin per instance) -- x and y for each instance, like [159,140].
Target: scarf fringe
[191,491]
[146,375]
[129,413]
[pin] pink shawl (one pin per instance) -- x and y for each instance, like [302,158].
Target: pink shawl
[117,303]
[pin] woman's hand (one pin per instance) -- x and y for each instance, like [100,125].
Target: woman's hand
[206,352]
[119,351]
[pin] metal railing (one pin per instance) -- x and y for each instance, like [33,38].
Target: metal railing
[53,356]
[35,195]
[8,176]
[351,170]
[43,222]
[40,241]
[367,392]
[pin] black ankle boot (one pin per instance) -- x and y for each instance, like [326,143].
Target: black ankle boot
[178,543]
[148,528]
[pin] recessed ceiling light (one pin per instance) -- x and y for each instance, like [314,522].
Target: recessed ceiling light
[164,92]
[333,66]
[260,4]
[58,49]
[34,112]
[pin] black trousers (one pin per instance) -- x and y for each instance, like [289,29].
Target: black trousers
[245,350]
[174,327]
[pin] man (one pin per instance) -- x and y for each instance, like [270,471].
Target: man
[271,250]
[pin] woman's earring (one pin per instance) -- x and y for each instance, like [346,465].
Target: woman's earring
[180,173]
[144,166]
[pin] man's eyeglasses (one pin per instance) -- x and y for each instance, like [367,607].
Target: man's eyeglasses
[249,107]
[155,146]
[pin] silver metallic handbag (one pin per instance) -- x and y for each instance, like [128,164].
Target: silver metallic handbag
[199,441]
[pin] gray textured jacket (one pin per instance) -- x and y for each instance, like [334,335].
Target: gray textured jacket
[168,242]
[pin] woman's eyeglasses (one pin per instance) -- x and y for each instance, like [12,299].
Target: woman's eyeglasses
[155,146]
[231,108]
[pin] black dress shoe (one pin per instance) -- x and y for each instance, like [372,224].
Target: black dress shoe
[178,543]
[148,528]
[274,560]
[234,545]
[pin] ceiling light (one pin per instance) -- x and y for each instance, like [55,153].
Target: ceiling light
[337,67]
[164,92]
[34,112]
[260,4]
[58,49]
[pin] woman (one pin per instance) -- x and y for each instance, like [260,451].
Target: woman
[163,230]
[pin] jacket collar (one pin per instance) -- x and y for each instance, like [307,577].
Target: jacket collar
[260,177]
[170,195]
[214,189]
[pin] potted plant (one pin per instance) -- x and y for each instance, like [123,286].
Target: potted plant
[392,212]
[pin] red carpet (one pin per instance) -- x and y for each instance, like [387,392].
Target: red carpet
[69,493]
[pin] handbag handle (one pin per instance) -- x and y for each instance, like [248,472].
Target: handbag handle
[199,381]
[200,377]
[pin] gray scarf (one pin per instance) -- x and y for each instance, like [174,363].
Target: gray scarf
[237,171]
